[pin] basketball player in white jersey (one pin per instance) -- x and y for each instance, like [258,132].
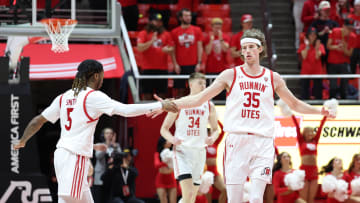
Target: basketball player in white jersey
[79,110]
[249,117]
[190,139]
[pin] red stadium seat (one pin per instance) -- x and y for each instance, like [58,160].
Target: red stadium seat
[214,10]
[205,24]
[173,23]
[173,9]
[143,10]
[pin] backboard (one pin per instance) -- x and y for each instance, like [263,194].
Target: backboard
[96,18]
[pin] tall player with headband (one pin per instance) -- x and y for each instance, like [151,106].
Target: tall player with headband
[79,110]
[190,139]
[249,117]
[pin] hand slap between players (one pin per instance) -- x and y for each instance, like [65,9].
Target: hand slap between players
[167,105]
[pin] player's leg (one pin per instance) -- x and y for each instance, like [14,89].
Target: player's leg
[198,159]
[236,165]
[257,188]
[219,184]
[234,193]
[161,192]
[172,195]
[260,167]
[187,188]
[313,188]
[86,197]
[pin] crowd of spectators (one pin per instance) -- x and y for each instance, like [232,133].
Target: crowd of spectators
[327,39]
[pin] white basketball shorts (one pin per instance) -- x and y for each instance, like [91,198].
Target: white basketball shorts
[189,161]
[248,155]
[71,172]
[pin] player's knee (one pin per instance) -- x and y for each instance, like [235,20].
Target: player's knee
[255,199]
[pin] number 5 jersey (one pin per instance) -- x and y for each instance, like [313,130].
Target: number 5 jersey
[250,104]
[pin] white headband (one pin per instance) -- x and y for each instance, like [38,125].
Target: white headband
[252,40]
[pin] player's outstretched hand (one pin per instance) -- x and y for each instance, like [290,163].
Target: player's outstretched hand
[19,145]
[167,105]
[328,113]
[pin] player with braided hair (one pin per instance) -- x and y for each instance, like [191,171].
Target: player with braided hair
[79,110]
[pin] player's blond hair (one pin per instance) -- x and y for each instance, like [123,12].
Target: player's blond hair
[196,75]
[256,34]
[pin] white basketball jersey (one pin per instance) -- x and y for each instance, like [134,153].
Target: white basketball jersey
[191,125]
[77,121]
[250,104]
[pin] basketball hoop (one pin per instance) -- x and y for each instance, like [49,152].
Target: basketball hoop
[59,31]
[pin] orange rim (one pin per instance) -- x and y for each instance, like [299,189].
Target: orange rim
[62,21]
[55,23]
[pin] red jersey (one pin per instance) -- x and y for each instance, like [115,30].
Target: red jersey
[280,187]
[186,41]
[154,57]
[356,28]
[235,42]
[311,65]
[125,3]
[338,57]
[308,148]
[216,61]
[309,9]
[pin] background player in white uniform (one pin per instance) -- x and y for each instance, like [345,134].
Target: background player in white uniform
[249,117]
[79,110]
[190,139]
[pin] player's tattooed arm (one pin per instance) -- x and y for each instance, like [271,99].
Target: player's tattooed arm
[35,124]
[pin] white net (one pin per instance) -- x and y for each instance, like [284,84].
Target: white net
[59,31]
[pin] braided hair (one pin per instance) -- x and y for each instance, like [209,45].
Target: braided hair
[86,69]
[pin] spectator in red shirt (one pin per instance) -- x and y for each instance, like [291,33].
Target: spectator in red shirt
[324,24]
[334,168]
[340,9]
[340,45]
[355,57]
[216,47]
[309,13]
[155,44]
[282,167]
[130,12]
[310,53]
[235,47]
[188,49]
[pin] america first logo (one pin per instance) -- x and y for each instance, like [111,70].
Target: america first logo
[266,171]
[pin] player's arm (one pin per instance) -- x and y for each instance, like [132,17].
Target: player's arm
[33,127]
[220,83]
[213,125]
[165,128]
[51,113]
[132,110]
[295,104]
